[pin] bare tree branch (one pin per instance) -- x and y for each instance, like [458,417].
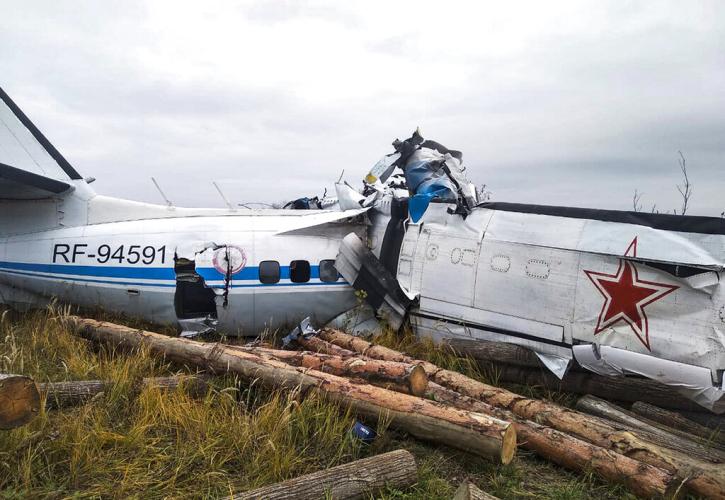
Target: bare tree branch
[483,193]
[686,189]
[636,205]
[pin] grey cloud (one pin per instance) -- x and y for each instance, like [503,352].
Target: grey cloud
[579,119]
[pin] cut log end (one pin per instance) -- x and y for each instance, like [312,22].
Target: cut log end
[508,447]
[19,400]
[418,381]
[469,491]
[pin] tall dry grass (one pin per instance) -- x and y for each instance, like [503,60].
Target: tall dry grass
[133,443]
[152,444]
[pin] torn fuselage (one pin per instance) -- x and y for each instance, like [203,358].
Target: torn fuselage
[620,292]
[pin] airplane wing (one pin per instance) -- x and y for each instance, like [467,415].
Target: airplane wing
[308,219]
[30,166]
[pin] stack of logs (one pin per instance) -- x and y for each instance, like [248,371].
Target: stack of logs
[446,407]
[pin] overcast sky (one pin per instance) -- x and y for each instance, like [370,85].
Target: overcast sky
[551,102]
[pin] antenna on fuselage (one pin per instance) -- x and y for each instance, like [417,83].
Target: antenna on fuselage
[223,197]
[168,202]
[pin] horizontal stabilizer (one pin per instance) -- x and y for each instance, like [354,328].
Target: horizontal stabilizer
[17,184]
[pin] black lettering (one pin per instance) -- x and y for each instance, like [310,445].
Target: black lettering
[118,254]
[104,253]
[77,250]
[60,250]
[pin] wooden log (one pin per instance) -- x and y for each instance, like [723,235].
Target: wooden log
[601,408]
[473,432]
[645,480]
[355,480]
[707,419]
[19,400]
[704,478]
[72,393]
[196,386]
[674,421]
[79,392]
[316,344]
[409,378]
[469,491]
[625,389]
[488,351]
[677,424]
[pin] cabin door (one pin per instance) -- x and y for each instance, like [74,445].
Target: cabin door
[412,257]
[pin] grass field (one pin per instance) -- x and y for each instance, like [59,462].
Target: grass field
[148,444]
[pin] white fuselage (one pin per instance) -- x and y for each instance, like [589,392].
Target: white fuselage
[128,266]
[559,285]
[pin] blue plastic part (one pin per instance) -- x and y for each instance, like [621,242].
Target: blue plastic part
[427,180]
[363,432]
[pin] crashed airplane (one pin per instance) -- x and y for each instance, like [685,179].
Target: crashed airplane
[618,292]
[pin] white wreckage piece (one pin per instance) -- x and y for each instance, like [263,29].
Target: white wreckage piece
[622,293]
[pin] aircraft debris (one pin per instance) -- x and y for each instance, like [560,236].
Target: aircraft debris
[433,172]
[364,433]
[303,330]
[360,267]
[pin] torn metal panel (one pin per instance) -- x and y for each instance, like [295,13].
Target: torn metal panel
[705,281]
[558,365]
[361,268]
[193,327]
[359,321]
[693,382]
[432,172]
[348,198]
[303,329]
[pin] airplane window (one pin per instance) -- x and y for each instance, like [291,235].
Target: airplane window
[328,272]
[299,271]
[269,272]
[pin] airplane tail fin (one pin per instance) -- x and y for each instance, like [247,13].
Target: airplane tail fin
[33,174]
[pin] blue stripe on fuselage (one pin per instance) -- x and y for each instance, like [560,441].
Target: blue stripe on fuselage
[162,275]
[147,273]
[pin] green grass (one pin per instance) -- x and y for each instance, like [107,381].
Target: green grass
[150,444]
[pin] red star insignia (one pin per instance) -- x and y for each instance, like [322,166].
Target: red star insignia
[626,296]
